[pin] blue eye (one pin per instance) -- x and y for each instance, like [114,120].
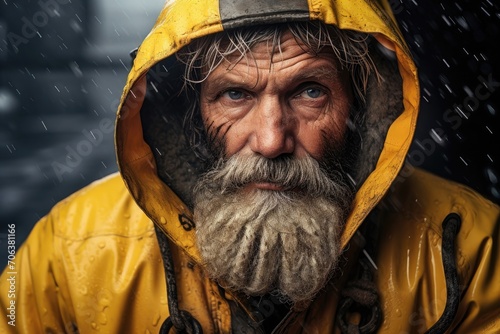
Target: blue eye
[233,94]
[313,93]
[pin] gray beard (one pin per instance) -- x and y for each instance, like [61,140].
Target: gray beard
[262,241]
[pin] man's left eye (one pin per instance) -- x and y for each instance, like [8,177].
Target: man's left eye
[233,94]
[311,93]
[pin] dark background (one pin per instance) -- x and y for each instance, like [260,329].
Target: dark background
[63,67]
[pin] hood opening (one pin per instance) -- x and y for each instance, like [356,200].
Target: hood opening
[153,152]
[179,164]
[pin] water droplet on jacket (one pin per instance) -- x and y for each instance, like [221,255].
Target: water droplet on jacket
[102,244]
[156,320]
[92,258]
[94,325]
[435,240]
[126,215]
[461,260]
[163,221]
[398,313]
[103,320]
[84,290]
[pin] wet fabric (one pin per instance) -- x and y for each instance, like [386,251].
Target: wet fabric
[93,264]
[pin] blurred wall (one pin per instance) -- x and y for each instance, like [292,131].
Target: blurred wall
[62,70]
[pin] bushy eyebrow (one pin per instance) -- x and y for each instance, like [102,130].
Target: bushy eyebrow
[318,73]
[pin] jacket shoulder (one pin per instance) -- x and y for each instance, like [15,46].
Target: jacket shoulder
[103,207]
[427,195]
[410,259]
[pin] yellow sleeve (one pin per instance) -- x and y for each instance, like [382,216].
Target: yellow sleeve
[30,290]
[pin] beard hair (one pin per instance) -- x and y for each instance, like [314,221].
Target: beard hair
[261,241]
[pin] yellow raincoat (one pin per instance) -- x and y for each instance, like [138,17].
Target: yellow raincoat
[93,264]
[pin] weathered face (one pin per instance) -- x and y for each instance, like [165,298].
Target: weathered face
[274,103]
[270,211]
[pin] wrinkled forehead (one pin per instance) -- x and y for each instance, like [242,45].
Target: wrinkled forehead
[271,50]
[275,47]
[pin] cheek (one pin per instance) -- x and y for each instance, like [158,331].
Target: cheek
[221,130]
[326,133]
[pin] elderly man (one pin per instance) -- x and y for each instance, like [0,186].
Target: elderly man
[258,142]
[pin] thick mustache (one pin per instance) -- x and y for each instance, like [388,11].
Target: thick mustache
[288,172]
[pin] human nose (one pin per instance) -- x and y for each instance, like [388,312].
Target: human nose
[273,132]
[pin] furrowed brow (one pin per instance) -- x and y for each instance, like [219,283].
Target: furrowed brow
[319,73]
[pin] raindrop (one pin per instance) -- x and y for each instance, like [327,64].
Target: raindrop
[495,192]
[462,22]
[436,137]
[487,128]
[7,101]
[77,28]
[468,91]
[121,61]
[461,113]
[154,87]
[446,20]
[491,176]
[465,163]
[485,11]
[75,68]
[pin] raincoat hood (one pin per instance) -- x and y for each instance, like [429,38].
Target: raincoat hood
[391,111]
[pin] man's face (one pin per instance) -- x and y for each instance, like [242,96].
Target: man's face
[270,211]
[289,102]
